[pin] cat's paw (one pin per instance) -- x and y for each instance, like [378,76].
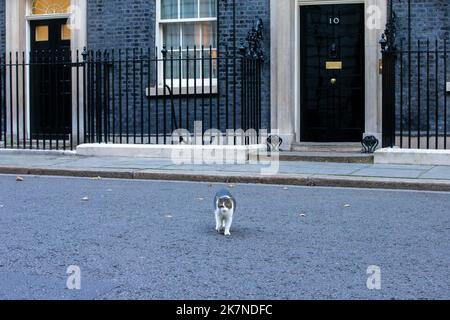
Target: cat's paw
[227,233]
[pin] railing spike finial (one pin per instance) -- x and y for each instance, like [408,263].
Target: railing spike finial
[164,50]
[254,41]
[383,42]
[84,54]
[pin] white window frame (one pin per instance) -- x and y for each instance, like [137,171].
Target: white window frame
[186,87]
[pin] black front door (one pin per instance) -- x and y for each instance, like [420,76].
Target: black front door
[332,73]
[50,79]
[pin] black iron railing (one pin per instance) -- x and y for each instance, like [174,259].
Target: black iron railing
[58,100]
[416,80]
[416,95]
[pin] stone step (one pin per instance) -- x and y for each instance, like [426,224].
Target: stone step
[353,147]
[339,157]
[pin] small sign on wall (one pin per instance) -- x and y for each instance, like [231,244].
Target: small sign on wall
[448,86]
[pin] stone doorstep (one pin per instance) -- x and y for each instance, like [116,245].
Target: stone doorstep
[336,157]
[172,152]
[412,157]
[336,147]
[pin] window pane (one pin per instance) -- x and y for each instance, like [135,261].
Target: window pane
[65,32]
[210,64]
[171,36]
[208,8]
[189,35]
[191,66]
[41,33]
[169,9]
[50,6]
[189,9]
[209,31]
[173,66]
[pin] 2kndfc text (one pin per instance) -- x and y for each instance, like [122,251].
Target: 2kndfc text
[225,310]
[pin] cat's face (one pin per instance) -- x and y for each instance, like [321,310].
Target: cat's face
[225,205]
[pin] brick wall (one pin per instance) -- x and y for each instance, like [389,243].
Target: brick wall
[131,24]
[120,24]
[430,20]
[247,13]
[2,25]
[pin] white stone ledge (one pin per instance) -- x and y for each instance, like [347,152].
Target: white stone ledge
[207,153]
[412,156]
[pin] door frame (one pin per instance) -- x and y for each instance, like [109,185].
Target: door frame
[37,109]
[17,25]
[284,47]
[299,98]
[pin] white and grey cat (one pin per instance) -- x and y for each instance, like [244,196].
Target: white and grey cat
[225,206]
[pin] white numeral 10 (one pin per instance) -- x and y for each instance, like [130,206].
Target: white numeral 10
[335,20]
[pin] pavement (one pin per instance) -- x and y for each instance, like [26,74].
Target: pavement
[156,240]
[360,175]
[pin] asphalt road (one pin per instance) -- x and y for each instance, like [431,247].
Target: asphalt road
[156,240]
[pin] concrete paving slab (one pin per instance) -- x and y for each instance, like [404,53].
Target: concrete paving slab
[442,173]
[321,168]
[114,163]
[389,173]
[351,166]
[254,169]
[32,162]
[401,166]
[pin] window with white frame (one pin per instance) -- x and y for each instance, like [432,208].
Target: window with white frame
[188,28]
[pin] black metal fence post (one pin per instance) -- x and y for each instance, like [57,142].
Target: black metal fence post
[388,66]
[388,100]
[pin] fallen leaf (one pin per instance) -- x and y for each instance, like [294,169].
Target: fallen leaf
[201,199]
[231,186]
[347,206]
[302,215]
[285,188]
[20,179]
[168,216]
[97,178]
[85,199]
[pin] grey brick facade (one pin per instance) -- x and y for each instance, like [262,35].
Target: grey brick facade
[430,21]
[2,25]
[131,24]
[120,24]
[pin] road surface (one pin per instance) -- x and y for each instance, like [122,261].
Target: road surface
[156,240]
